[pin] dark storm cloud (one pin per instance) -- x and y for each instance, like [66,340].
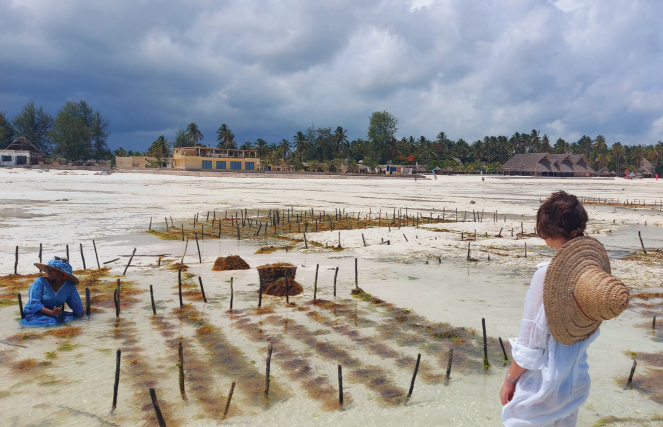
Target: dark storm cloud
[271,68]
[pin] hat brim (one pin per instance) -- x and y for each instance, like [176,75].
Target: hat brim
[566,321]
[45,267]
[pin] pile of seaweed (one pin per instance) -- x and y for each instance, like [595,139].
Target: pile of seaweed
[278,288]
[232,262]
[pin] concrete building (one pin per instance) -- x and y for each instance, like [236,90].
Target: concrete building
[142,162]
[215,159]
[21,152]
[546,164]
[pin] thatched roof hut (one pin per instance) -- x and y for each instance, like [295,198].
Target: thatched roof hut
[646,169]
[546,164]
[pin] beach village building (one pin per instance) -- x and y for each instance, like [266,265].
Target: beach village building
[545,164]
[21,152]
[202,158]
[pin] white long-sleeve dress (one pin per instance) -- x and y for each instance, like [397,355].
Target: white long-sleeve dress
[556,382]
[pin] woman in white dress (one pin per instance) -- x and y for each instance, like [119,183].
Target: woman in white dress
[568,299]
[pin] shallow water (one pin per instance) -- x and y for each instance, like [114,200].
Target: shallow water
[73,380]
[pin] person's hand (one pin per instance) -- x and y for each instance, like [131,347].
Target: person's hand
[56,311]
[506,394]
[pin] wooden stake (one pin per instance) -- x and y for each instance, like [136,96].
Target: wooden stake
[629,384]
[83,257]
[154,307]
[20,307]
[335,276]
[231,293]
[88,310]
[525,249]
[269,362]
[315,283]
[117,379]
[40,247]
[150,228]
[260,295]
[305,242]
[506,358]
[96,255]
[356,274]
[157,410]
[451,358]
[200,258]
[182,232]
[179,283]
[405,237]
[362,238]
[653,323]
[129,263]
[230,396]
[116,299]
[180,353]
[202,290]
[414,377]
[340,385]
[66,246]
[16,262]
[485,344]
[643,245]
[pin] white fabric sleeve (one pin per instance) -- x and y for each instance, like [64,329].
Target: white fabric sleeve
[528,350]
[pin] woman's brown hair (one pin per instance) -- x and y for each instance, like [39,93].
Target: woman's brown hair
[561,215]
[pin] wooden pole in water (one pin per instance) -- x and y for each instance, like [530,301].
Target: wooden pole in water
[83,257]
[129,263]
[20,307]
[180,353]
[414,377]
[525,249]
[630,377]
[66,247]
[230,396]
[362,238]
[231,293]
[485,344]
[269,362]
[202,290]
[405,237]
[643,245]
[182,232]
[653,324]
[260,295]
[16,262]
[157,410]
[305,242]
[340,385]
[335,276]
[96,255]
[451,358]
[116,299]
[179,285]
[506,358]
[117,379]
[88,310]
[356,274]
[200,258]
[315,283]
[40,247]
[154,307]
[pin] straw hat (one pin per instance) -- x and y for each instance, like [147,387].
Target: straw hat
[579,292]
[61,265]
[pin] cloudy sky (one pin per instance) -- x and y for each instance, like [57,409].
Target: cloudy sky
[271,68]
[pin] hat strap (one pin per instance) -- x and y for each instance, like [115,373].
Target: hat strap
[579,308]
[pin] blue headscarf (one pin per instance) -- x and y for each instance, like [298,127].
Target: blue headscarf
[60,264]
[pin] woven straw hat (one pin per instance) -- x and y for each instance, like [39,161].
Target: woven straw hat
[61,265]
[579,292]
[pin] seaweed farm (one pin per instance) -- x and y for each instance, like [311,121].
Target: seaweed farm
[361,292]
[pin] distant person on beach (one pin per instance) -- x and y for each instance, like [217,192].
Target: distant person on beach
[567,300]
[47,296]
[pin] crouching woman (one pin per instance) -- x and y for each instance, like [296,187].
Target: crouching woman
[48,294]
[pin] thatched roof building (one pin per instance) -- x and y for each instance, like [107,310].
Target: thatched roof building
[545,164]
[646,169]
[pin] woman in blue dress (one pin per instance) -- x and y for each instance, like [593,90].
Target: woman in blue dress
[47,296]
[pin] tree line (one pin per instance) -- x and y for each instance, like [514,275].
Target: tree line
[77,132]
[80,132]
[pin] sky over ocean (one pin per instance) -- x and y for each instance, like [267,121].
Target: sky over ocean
[271,68]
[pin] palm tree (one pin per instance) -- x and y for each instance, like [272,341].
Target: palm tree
[618,152]
[585,146]
[225,137]
[121,152]
[261,147]
[603,158]
[561,147]
[181,140]
[194,134]
[340,140]
[300,144]
[545,144]
[160,148]
[535,141]
[247,146]
[284,149]
[600,144]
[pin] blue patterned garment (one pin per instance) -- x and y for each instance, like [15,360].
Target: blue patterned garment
[42,295]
